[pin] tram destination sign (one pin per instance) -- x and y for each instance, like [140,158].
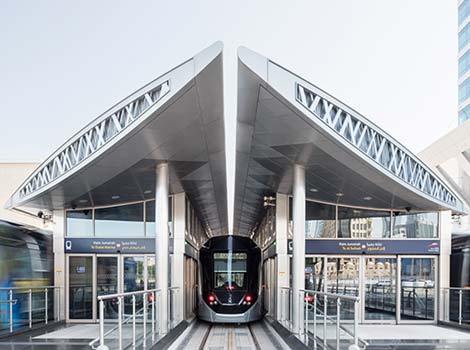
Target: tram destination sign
[109,245]
[371,247]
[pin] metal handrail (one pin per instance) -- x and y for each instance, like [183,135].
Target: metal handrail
[120,300]
[126,294]
[460,291]
[30,291]
[28,288]
[304,321]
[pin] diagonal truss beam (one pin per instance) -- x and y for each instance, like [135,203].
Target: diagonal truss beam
[91,139]
[375,144]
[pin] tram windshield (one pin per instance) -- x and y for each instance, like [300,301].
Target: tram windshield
[230,270]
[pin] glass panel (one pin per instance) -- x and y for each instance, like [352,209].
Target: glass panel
[107,282]
[123,221]
[151,281]
[464,37]
[380,288]
[150,218]
[80,287]
[423,225]
[417,288]
[360,223]
[133,281]
[80,222]
[314,279]
[230,270]
[464,11]
[320,220]
[342,278]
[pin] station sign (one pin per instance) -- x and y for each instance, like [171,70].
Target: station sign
[370,247]
[110,245]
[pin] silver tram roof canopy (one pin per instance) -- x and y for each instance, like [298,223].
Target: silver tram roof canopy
[282,120]
[177,118]
[285,120]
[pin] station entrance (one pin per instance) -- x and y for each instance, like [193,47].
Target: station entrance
[92,275]
[392,289]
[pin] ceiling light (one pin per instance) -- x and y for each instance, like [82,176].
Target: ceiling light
[83,201]
[339,194]
[367,198]
[115,197]
[313,190]
[147,191]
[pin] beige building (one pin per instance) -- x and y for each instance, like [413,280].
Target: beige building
[449,157]
[12,176]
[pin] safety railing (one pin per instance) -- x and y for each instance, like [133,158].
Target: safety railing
[326,319]
[455,306]
[28,306]
[134,322]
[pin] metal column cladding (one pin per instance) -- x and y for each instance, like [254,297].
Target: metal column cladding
[162,242]
[298,258]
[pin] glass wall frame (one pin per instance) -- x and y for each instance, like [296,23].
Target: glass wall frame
[148,223]
[390,220]
[320,277]
[145,279]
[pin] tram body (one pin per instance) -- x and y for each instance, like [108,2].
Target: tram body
[230,280]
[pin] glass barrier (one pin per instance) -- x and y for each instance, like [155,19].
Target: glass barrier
[422,225]
[124,221]
[80,222]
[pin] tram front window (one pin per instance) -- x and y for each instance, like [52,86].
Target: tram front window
[230,270]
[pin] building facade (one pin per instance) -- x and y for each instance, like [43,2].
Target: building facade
[464,60]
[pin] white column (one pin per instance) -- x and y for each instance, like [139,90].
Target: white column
[178,272]
[162,250]
[443,268]
[282,259]
[298,255]
[59,261]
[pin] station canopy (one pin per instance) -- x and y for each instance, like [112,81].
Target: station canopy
[282,120]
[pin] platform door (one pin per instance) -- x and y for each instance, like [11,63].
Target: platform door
[134,279]
[81,294]
[107,282]
[379,289]
[269,284]
[190,283]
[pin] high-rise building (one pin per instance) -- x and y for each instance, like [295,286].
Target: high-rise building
[464,60]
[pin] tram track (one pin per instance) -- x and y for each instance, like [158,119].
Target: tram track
[230,337]
[216,336]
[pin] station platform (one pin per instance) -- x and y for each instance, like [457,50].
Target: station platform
[265,334]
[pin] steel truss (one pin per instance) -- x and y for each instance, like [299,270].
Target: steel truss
[374,143]
[93,137]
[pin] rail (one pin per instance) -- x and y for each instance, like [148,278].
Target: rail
[143,309]
[455,306]
[319,314]
[38,300]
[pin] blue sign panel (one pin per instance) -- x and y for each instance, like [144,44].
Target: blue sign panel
[109,245]
[370,246]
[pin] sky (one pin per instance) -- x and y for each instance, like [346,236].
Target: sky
[62,63]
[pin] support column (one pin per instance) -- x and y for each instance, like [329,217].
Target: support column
[282,255]
[443,267]
[59,262]
[178,271]
[162,251]
[298,254]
